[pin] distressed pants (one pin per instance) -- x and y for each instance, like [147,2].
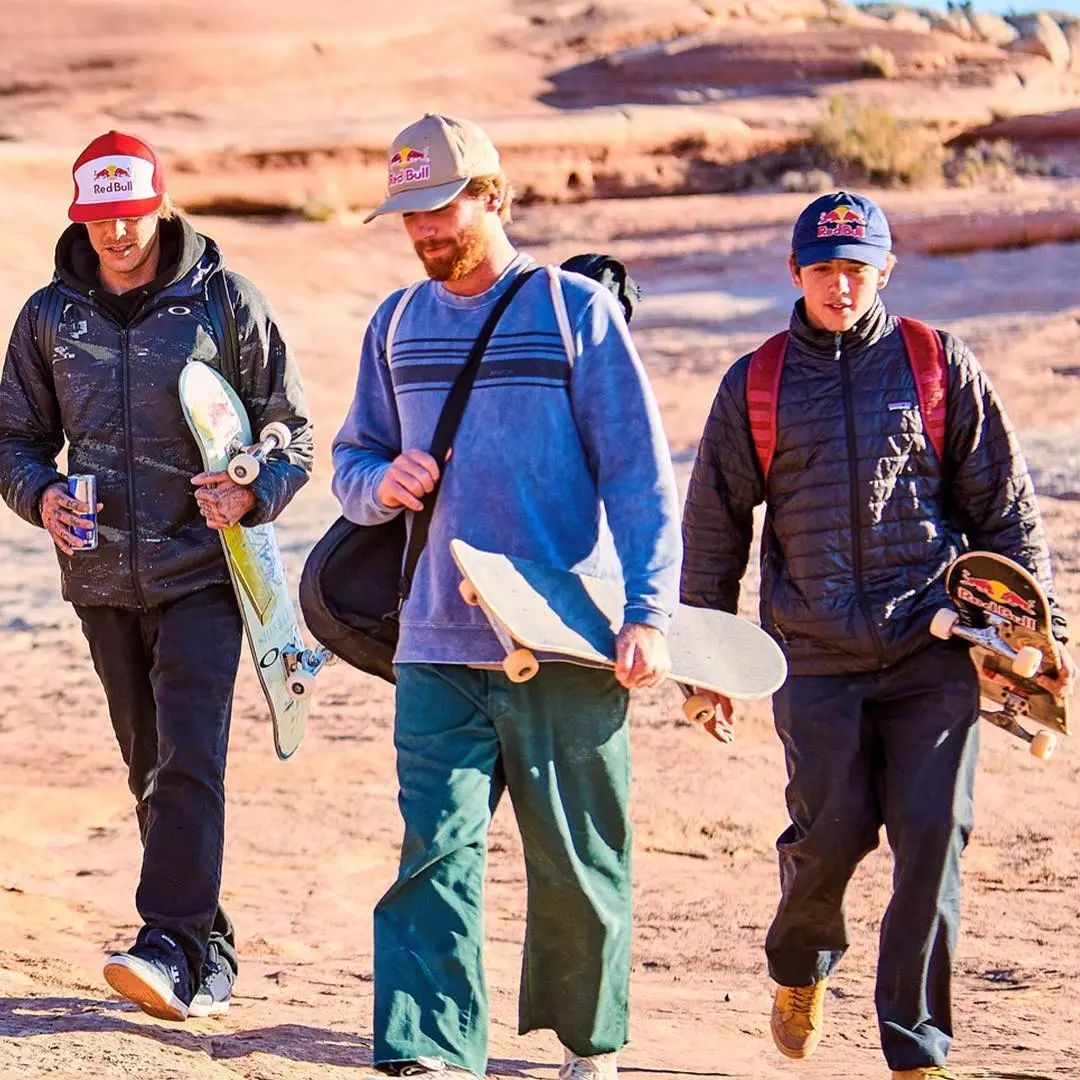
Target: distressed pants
[899,748]
[559,744]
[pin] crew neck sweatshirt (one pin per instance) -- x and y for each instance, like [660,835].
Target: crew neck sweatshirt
[557,460]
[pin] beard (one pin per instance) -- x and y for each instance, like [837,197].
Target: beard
[464,253]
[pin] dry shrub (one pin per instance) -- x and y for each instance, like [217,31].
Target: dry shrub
[995,163]
[878,63]
[869,141]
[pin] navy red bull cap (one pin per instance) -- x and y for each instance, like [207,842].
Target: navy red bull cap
[116,176]
[842,225]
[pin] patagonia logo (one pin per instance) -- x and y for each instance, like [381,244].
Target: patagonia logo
[900,406]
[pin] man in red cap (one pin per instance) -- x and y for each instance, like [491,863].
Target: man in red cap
[93,361]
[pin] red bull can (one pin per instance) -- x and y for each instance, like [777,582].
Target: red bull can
[84,488]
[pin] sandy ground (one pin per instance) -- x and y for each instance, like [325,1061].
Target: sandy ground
[313,842]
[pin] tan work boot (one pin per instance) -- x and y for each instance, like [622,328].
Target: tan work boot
[924,1072]
[797,1018]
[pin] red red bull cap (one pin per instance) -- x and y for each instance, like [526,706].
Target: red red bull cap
[431,162]
[116,176]
[842,225]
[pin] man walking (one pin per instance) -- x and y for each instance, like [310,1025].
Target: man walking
[94,360]
[547,442]
[867,503]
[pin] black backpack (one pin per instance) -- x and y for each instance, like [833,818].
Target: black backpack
[356,576]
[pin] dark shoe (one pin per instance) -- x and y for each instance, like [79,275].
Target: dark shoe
[153,975]
[215,986]
[425,1066]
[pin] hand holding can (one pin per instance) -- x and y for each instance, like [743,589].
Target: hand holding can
[69,514]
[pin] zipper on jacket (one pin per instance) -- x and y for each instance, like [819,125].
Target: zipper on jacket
[856,509]
[133,532]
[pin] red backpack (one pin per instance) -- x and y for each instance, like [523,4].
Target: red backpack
[925,353]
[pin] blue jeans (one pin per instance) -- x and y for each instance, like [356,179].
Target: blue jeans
[899,748]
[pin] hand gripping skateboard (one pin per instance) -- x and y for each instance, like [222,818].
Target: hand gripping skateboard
[285,666]
[1000,610]
[534,608]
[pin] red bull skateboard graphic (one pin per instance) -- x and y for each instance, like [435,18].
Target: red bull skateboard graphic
[568,616]
[1000,610]
[285,666]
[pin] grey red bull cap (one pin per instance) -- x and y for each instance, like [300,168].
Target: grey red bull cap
[432,161]
[842,225]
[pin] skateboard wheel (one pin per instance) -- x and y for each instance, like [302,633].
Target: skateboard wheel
[468,593]
[698,709]
[301,683]
[1027,661]
[520,666]
[277,430]
[243,469]
[941,625]
[1043,745]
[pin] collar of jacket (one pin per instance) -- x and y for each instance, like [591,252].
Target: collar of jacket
[199,257]
[821,344]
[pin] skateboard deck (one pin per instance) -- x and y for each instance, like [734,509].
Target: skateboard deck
[531,606]
[1002,612]
[284,665]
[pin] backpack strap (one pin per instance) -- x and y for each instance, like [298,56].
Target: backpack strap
[223,319]
[762,395]
[562,316]
[926,355]
[395,318]
[50,312]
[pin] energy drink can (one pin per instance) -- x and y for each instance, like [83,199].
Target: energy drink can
[84,488]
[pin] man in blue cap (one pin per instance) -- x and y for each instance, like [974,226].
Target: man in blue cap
[881,452]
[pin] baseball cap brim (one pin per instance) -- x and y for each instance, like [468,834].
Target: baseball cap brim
[85,212]
[419,199]
[874,256]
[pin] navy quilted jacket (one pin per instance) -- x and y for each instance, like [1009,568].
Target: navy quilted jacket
[862,519]
[109,392]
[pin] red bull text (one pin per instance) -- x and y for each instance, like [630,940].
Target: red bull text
[409,165]
[841,221]
[112,180]
[84,488]
[996,598]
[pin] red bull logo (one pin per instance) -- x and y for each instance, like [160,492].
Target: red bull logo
[408,165]
[112,180]
[997,598]
[841,221]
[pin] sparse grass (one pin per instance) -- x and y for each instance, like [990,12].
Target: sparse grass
[869,141]
[879,63]
[995,162]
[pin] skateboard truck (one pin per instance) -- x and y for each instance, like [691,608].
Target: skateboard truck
[1026,660]
[1015,705]
[246,465]
[301,668]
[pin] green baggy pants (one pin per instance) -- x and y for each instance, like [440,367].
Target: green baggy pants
[560,745]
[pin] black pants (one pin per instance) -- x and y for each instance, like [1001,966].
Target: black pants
[168,676]
[899,748]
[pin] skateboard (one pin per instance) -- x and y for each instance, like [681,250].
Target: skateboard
[572,616]
[285,666]
[1001,611]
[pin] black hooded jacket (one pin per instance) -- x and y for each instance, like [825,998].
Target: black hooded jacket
[110,391]
[862,519]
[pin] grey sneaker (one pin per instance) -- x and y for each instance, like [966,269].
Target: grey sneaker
[596,1067]
[215,987]
[154,978]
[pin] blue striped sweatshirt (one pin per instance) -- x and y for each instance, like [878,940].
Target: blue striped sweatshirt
[566,464]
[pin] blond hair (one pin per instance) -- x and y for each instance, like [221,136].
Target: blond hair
[166,211]
[498,184]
